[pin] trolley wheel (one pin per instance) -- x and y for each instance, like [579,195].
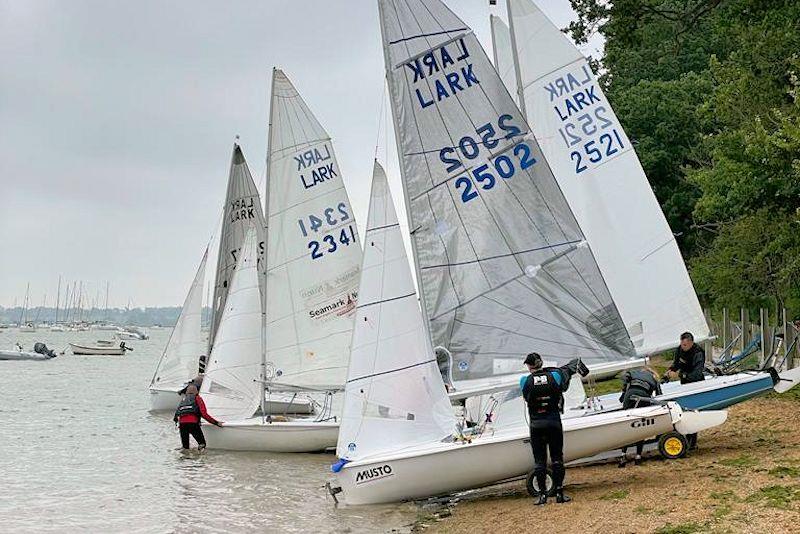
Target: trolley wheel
[533,487]
[673,445]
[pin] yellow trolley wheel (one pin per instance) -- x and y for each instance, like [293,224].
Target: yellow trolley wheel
[673,445]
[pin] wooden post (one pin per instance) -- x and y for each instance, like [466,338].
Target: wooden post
[766,339]
[744,317]
[787,359]
[726,328]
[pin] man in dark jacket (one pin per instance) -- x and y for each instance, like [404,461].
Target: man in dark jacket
[689,363]
[543,391]
[637,386]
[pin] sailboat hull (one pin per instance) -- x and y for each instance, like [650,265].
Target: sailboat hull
[443,468]
[255,435]
[167,399]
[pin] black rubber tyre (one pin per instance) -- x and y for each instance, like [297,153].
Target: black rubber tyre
[533,487]
[673,445]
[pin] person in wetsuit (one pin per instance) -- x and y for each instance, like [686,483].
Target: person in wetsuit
[637,386]
[543,391]
[188,415]
[689,363]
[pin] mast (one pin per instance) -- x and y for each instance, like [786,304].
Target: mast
[266,250]
[106,311]
[58,299]
[23,316]
[517,75]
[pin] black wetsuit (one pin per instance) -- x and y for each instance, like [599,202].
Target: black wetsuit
[543,392]
[637,383]
[689,364]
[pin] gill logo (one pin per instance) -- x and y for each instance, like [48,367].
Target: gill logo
[374,473]
[644,421]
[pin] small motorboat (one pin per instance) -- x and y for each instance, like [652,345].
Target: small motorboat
[40,353]
[100,348]
[131,334]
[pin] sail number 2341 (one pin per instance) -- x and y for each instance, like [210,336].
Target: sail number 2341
[485,174]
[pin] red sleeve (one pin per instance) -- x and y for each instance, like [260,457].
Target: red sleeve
[202,405]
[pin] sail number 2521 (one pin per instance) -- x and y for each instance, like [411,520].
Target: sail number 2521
[485,175]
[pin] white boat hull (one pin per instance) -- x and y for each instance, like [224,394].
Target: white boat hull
[255,435]
[82,350]
[443,468]
[167,399]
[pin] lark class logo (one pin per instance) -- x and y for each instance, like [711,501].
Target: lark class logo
[374,473]
[643,422]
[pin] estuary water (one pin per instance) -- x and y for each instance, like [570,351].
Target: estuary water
[80,452]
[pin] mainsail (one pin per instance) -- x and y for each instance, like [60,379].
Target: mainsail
[232,387]
[314,254]
[178,363]
[602,179]
[242,209]
[394,394]
[503,266]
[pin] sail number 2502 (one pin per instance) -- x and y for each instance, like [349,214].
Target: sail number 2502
[485,175]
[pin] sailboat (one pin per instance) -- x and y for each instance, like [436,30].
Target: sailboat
[178,363]
[26,326]
[399,439]
[601,177]
[598,171]
[313,259]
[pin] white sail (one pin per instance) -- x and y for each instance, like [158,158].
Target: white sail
[597,169]
[242,209]
[178,363]
[503,265]
[394,396]
[314,254]
[503,56]
[232,385]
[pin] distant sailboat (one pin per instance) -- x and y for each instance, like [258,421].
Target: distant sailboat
[313,259]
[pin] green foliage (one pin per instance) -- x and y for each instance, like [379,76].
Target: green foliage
[775,496]
[708,90]
[686,528]
[741,461]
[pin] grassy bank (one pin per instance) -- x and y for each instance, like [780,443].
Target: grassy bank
[745,477]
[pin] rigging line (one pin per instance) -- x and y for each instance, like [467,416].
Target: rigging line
[395,370]
[380,118]
[413,294]
[500,256]
[426,35]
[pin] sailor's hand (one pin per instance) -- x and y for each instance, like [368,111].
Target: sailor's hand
[219,424]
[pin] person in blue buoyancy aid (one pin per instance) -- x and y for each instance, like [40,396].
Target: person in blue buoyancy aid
[543,391]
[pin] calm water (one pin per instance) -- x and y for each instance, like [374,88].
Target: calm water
[78,450]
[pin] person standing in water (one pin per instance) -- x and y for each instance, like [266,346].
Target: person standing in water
[188,415]
[543,391]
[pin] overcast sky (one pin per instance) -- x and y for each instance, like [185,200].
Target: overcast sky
[117,121]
